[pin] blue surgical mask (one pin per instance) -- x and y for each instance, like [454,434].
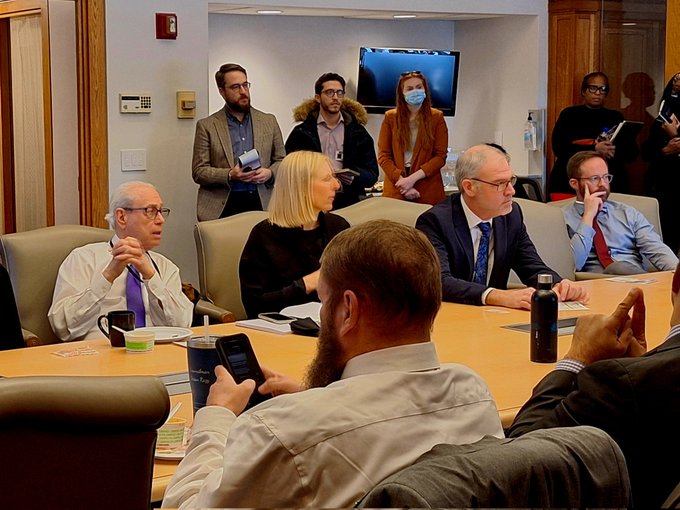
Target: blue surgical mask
[415,97]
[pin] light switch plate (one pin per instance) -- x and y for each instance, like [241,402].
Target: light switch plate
[133,160]
[186,104]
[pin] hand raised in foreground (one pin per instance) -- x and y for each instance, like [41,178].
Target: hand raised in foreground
[598,337]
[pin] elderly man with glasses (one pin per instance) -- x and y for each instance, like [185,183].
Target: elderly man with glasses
[122,273]
[334,125]
[607,236]
[479,235]
[226,186]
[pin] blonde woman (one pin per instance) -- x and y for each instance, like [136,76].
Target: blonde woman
[412,144]
[280,262]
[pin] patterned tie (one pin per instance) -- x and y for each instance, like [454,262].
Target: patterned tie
[133,295]
[601,247]
[482,254]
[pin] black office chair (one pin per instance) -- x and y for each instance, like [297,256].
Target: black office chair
[529,189]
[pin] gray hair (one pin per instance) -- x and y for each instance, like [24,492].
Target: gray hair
[473,159]
[124,196]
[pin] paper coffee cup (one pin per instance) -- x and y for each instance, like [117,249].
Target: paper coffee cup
[139,341]
[171,434]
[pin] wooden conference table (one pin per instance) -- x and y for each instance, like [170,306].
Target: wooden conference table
[463,334]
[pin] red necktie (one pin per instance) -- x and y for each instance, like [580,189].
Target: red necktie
[601,247]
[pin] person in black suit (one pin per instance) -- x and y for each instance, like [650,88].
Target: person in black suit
[607,380]
[9,316]
[456,227]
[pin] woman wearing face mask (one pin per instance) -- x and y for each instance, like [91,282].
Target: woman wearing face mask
[662,150]
[412,144]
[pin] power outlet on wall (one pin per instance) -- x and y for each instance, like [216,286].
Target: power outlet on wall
[133,160]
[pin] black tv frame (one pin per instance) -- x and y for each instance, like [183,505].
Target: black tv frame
[378,98]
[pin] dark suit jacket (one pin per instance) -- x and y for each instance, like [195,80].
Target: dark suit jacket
[573,467]
[446,227]
[635,400]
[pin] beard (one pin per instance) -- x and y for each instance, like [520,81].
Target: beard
[604,197]
[326,366]
[236,106]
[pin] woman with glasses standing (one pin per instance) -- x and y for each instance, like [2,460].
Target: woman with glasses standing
[662,150]
[412,144]
[583,128]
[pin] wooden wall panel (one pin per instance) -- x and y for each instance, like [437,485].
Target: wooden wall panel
[573,51]
[93,177]
[672,38]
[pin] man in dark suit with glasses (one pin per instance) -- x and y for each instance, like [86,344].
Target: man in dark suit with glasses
[479,235]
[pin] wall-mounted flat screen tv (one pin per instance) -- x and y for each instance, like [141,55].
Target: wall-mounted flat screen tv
[381,68]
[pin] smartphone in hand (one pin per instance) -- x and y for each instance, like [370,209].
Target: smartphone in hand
[237,356]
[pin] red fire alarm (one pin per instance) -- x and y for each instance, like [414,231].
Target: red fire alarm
[166,25]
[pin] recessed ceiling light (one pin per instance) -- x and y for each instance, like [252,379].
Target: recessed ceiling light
[629,24]
[270,12]
[404,16]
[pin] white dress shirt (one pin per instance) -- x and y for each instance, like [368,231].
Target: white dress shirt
[82,294]
[327,447]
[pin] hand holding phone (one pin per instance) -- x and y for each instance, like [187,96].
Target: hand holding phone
[237,356]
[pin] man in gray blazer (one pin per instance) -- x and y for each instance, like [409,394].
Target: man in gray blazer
[225,187]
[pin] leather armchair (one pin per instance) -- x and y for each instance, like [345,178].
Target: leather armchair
[79,442]
[375,208]
[548,231]
[32,259]
[219,244]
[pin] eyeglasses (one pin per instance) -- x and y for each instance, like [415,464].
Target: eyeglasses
[330,93]
[150,212]
[595,179]
[500,186]
[406,73]
[237,86]
[603,89]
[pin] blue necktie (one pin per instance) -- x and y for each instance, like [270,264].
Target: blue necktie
[482,254]
[133,295]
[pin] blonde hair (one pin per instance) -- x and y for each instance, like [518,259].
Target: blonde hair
[291,203]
